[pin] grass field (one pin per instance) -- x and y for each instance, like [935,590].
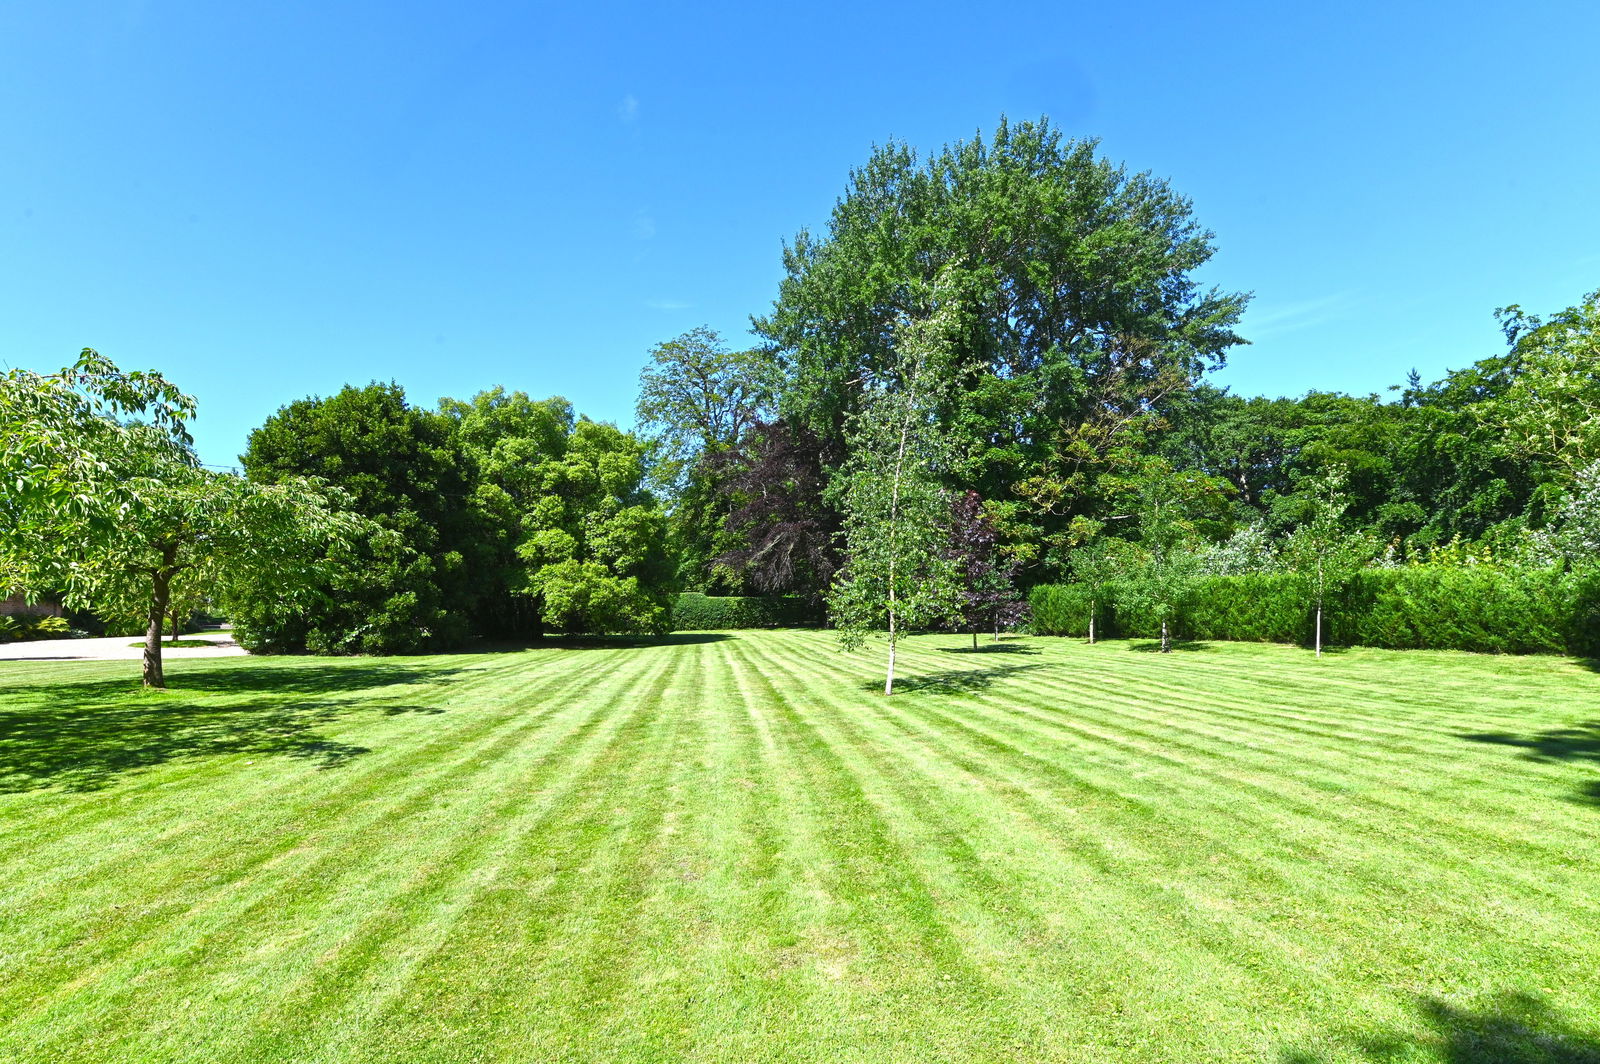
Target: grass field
[727,848]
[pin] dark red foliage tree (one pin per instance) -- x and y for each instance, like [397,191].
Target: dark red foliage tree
[781,517]
[990,598]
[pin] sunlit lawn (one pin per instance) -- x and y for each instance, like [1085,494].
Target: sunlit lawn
[729,848]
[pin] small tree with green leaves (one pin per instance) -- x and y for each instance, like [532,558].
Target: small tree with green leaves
[898,573]
[1321,553]
[1171,508]
[1095,565]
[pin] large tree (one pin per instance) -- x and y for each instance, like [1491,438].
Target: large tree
[698,402]
[180,526]
[109,514]
[593,541]
[407,585]
[1085,316]
[57,433]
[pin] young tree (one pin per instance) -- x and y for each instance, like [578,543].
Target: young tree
[989,595]
[1320,552]
[897,574]
[1168,505]
[1095,565]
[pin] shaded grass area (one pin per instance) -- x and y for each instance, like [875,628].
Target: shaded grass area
[728,848]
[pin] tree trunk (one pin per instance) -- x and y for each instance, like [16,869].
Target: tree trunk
[1166,644]
[1091,622]
[175,626]
[161,586]
[888,679]
[974,639]
[1319,629]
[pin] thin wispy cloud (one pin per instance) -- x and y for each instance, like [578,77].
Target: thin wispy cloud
[667,304]
[1294,315]
[628,109]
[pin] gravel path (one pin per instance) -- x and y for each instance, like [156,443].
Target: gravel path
[115,649]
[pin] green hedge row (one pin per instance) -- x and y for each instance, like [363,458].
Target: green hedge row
[694,612]
[1540,611]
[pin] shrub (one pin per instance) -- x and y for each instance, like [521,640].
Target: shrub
[694,612]
[1493,610]
[24,626]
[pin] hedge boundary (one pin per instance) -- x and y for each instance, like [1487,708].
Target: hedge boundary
[1537,611]
[694,612]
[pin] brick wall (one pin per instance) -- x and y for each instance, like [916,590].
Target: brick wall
[18,604]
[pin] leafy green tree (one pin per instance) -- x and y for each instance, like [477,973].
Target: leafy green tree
[56,433]
[698,401]
[404,585]
[505,438]
[114,513]
[1171,508]
[1085,314]
[1096,565]
[180,523]
[594,542]
[897,572]
[1551,409]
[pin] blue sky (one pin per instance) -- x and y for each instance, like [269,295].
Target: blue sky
[268,201]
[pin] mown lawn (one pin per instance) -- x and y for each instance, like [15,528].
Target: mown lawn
[728,848]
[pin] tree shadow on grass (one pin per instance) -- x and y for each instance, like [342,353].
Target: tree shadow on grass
[1514,1029]
[1580,743]
[85,736]
[1154,647]
[952,681]
[992,648]
[594,642]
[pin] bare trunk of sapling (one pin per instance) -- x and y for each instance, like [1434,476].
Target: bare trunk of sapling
[1319,629]
[888,679]
[1091,622]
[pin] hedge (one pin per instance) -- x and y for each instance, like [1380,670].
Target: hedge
[694,612]
[1538,611]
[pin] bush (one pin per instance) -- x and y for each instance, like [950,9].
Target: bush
[694,612]
[1421,607]
[19,627]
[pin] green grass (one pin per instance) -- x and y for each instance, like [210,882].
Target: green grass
[730,849]
[180,644]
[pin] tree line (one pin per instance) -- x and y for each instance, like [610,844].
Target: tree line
[987,373]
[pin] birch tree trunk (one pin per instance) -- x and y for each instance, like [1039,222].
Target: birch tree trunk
[1319,629]
[894,526]
[1166,644]
[888,679]
[1091,622]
